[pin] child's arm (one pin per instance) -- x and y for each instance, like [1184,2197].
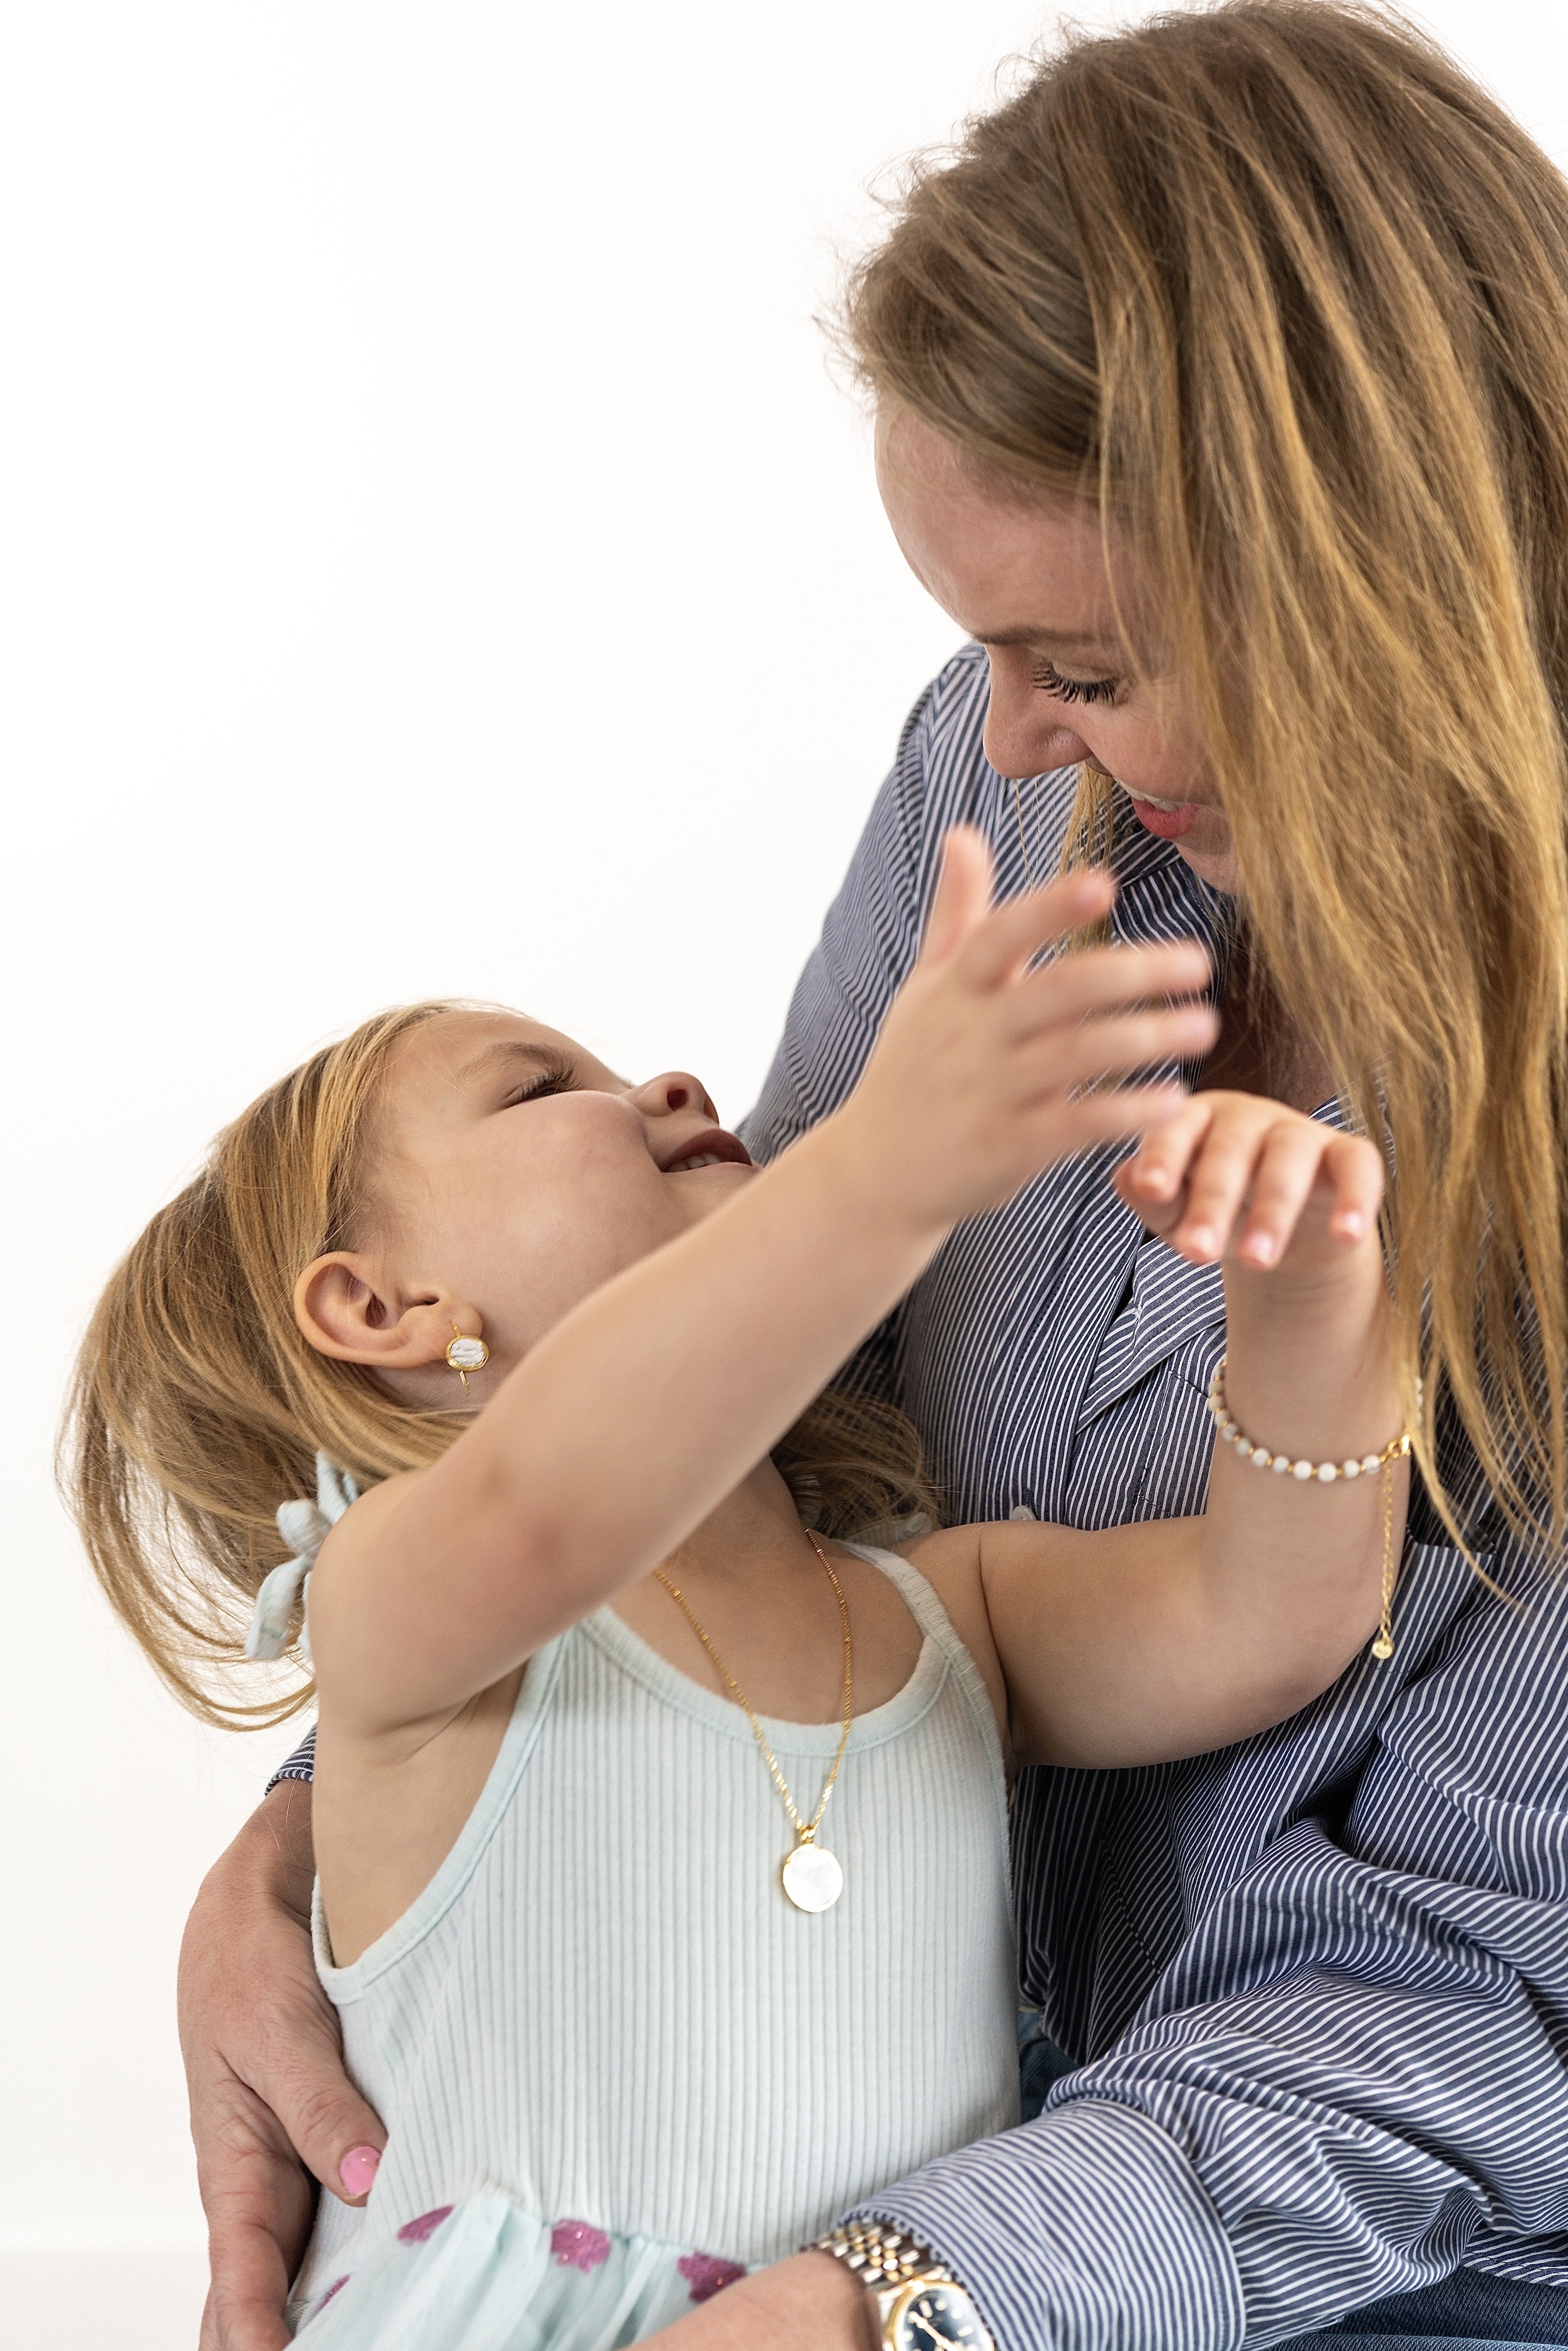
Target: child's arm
[1143,1643]
[646,1405]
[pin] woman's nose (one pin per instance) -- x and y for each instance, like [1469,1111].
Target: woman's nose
[675,1089]
[1024,732]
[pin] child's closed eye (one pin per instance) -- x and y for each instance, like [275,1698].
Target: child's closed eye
[555,1077]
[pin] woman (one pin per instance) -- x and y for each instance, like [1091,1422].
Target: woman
[1222,393]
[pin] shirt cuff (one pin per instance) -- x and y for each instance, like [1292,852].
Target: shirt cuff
[1086,2231]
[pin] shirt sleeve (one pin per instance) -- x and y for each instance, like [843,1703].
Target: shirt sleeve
[1351,2078]
[301,1764]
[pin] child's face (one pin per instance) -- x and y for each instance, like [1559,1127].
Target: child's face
[511,1173]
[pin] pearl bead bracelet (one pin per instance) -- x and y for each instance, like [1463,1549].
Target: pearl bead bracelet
[1325,1472]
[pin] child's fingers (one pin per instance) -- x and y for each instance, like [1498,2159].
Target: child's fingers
[1002,946]
[1082,986]
[1061,1128]
[1157,1169]
[1218,1181]
[1355,1167]
[1284,1174]
[1119,1046]
[962,897]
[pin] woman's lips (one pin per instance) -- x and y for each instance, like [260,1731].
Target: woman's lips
[1158,816]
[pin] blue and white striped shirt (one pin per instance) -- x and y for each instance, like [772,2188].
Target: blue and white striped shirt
[1316,1987]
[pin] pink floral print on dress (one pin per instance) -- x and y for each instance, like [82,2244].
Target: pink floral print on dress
[707,2275]
[414,2232]
[578,2245]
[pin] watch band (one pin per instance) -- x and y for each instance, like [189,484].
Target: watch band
[893,2266]
[879,2255]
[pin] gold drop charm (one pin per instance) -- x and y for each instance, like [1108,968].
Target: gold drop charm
[813,1877]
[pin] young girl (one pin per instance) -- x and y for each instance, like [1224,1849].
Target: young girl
[661,1831]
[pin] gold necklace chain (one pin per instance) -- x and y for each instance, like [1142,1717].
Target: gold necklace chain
[804,1830]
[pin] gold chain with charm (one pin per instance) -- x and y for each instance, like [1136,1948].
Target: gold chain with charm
[812,1876]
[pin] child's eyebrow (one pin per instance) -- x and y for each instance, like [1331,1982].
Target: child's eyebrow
[505,1049]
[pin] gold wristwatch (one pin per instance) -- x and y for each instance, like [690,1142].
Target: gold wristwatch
[920,2305]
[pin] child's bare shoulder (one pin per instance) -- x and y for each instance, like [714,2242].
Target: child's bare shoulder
[359,1531]
[949,1560]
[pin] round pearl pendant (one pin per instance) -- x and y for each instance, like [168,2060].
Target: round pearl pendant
[813,1877]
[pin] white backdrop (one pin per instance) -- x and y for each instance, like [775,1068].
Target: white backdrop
[435,559]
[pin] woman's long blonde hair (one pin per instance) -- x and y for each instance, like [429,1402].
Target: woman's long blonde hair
[1286,296]
[198,1405]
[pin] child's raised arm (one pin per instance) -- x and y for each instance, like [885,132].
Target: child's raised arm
[1143,1643]
[649,1403]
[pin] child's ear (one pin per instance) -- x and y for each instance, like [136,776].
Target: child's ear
[345,1310]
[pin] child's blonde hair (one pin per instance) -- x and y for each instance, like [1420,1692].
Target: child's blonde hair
[198,1405]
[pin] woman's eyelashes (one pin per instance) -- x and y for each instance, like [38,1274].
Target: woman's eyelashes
[1074,689]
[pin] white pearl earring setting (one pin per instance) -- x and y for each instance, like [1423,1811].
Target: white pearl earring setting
[465,1355]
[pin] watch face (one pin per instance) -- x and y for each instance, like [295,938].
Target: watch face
[935,2317]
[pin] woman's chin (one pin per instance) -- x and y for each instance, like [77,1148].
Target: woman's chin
[1196,829]
[1215,865]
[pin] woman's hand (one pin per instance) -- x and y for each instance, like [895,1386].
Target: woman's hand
[263,2066]
[1236,1177]
[809,2299]
[989,1071]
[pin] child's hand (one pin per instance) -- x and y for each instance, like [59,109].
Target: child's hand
[1236,1176]
[976,1083]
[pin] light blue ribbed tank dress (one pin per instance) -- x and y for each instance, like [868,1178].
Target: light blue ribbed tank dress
[617,2066]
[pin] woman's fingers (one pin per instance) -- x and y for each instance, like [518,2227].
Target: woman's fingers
[1253,1150]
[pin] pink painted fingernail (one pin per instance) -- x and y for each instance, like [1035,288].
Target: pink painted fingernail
[359,2168]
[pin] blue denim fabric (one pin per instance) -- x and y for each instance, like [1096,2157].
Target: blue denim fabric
[1041,2062]
[1469,2307]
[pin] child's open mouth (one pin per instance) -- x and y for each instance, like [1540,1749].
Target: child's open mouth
[716,1148]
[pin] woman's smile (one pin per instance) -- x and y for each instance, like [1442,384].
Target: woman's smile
[1170,818]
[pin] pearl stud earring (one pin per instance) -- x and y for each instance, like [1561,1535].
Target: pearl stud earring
[464,1355]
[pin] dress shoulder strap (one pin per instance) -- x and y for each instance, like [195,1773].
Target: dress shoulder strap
[921,1599]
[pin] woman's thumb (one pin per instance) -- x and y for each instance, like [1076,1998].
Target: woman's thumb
[334,2133]
[962,898]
